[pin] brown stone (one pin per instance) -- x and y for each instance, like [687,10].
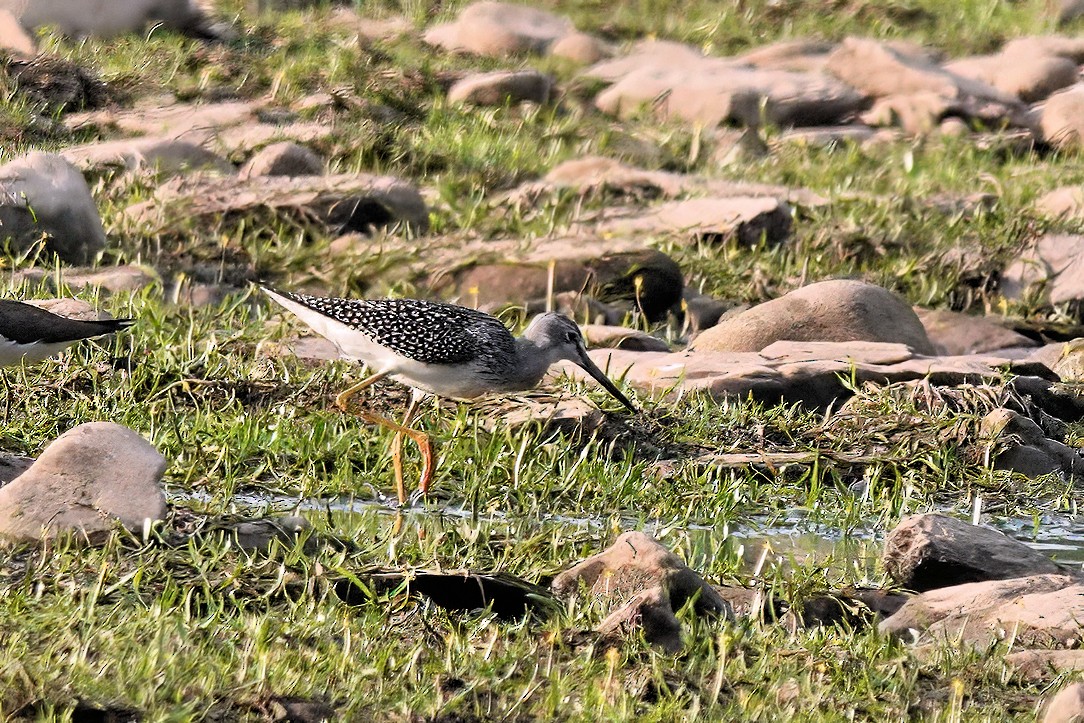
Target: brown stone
[283,159]
[500,29]
[1062,120]
[956,334]
[1027,77]
[1041,611]
[1067,706]
[658,582]
[1053,267]
[503,87]
[1040,665]
[90,478]
[828,311]
[1024,447]
[929,551]
[581,48]
[747,220]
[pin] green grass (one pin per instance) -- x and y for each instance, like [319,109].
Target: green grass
[198,630]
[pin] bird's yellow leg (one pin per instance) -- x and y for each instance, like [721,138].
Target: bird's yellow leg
[420,438]
[397,448]
[343,400]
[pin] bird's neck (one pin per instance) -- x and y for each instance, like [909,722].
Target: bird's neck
[532,362]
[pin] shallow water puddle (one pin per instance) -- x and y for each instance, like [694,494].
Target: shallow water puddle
[757,545]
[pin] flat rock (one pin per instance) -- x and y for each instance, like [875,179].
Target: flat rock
[226,128]
[797,55]
[1052,268]
[838,310]
[1019,74]
[115,279]
[1040,665]
[622,337]
[929,551]
[1062,46]
[500,29]
[90,478]
[158,156]
[1062,119]
[956,334]
[805,372]
[503,87]
[1041,611]
[748,220]
[653,581]
[43,194]
[348,201]
[283,159]
[582,48]
[679,83]
[1067,706]
[1064,202]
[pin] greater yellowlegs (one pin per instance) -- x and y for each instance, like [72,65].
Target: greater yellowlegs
[29,334]
[439,349]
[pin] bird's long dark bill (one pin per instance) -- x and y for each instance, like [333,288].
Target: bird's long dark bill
[588,366]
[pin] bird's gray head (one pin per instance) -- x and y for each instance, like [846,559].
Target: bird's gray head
[558,338]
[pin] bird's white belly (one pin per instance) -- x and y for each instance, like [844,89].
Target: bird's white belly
[456,381]
[13,353]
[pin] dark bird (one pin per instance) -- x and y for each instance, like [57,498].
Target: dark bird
[29,334]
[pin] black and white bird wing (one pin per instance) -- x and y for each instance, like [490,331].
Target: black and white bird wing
[422,331]
[29,333]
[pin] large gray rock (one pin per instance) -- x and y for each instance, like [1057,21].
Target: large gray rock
[1041,611]
[112,17]
[90,478]
[1052,268]
[838,310]
[44,196]
[500,29]
[929,551]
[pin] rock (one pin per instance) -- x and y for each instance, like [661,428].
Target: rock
[1052,267]
[43,195]
[228,128]
[828,311]
[796,55]
[913,91]
[1061,401]
[502,88]
[159,156]
[1067,706]
[90,478]
[1025,448]
[500,29]
[581,48]
[649,279]
[1058,45]
[70,309]
[1041,611]
[111,278]
[1027,77]
[956,334]
[1070,364]
[677,82]
[1062,121]
[621,337]
[828,136]
[1069,10]
[1040,665]
[929,551]
[703,312]
[747,220]
[13,36]
[92,17]
[344,202]
[283,159]
[658,582]
[13,465]
[1064,202]
[797,372]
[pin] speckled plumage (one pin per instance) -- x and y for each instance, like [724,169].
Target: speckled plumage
[425,331]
